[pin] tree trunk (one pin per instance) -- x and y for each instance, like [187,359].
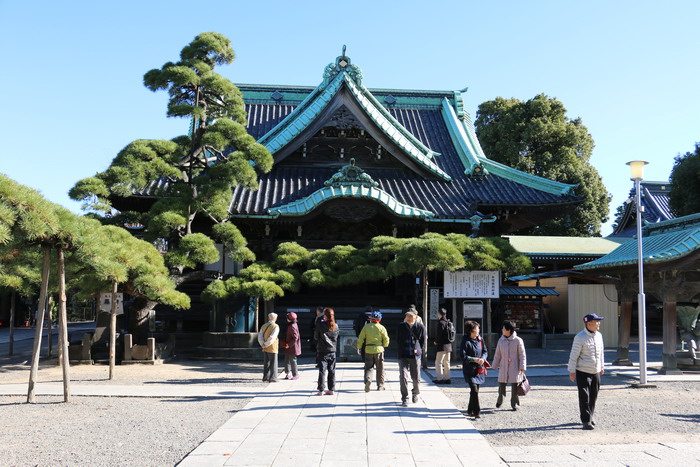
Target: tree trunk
[113,330]
[49,328]
[138,319]
[63,326]
[424,280]
[39,324]
[12,323]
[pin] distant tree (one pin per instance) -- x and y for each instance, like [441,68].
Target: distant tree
[619,214]
[190,176]
[538,138]
[684,196]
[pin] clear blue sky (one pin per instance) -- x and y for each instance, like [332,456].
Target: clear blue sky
[72,92]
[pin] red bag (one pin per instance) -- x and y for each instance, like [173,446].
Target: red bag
[483,368]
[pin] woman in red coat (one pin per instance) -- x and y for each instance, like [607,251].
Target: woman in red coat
[292,347]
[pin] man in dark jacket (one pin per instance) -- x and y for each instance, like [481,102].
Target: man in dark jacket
[362,319]
[444,350]
[410,337]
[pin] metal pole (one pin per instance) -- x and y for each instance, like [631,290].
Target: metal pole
[641,299]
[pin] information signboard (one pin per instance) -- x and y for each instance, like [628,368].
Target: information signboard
[472,284]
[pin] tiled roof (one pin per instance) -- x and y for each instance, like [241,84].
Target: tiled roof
[655,200]
[459,198]
[666,241]
[527,291]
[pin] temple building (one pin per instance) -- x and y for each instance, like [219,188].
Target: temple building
[352,163]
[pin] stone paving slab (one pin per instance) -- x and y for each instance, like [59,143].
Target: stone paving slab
[348,428]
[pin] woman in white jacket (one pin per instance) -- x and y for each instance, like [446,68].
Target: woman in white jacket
[511,361]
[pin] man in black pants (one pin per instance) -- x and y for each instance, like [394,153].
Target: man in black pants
[586,367]
[410,338]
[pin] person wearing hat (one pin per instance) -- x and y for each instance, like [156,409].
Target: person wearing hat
[411,336]
[373,337]
[292,347]
[586,367]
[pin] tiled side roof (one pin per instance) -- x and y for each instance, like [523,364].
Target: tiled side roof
[674,240]
[527,291]
[655,200]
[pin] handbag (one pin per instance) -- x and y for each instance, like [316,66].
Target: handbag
[523,386]
[483,369]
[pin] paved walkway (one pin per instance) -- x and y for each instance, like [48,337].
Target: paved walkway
[287,425]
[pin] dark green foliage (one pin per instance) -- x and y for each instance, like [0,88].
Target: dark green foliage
[684,196]
[538,138]
[96,255]
[383,259]
[192,175]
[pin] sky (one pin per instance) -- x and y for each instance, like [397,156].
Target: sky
[72,72]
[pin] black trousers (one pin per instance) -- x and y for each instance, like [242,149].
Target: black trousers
[514,399]
[326,369]
[588,386]
[473,408]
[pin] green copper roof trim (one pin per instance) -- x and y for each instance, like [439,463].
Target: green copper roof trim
[392,128]
[301,117]
[349,182]
[533,181]
[460,139]
[311,107]
[471,154]
[315,199]
[655,249]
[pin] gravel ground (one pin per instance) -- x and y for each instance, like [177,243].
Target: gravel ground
[106,431]
[161,431]
[549,413]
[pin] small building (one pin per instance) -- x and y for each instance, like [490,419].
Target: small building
[554,259]
[671,260]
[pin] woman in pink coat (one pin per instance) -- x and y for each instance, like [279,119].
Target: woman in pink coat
[511,361]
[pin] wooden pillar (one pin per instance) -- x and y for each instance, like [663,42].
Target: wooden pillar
[623,334]
[669,365]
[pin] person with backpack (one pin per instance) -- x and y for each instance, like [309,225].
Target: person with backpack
[374,338]
[443,341]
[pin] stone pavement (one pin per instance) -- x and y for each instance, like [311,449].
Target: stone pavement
[286,425]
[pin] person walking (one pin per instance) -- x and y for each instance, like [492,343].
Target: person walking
[410,337]
[361,319]
[511,362]
[443,342]
[326,335]
[474,355]
[586,362]
[267,338]
[292,347]
[374,339]
[314,324]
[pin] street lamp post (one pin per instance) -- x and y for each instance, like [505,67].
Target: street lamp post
[637,168]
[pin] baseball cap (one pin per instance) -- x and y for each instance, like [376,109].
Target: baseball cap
[291,315]
[592,317]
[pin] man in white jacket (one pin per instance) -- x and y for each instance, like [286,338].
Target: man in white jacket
[586,367]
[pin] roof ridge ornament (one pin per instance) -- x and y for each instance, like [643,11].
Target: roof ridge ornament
[351,175]
[342,64]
